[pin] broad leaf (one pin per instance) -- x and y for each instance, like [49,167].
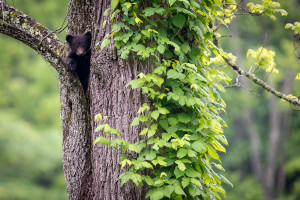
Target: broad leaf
[114,4]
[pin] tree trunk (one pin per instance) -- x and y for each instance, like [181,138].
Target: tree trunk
[91,170]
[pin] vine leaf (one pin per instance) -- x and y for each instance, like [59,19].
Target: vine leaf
[179,20]
[171,2]
[114,4]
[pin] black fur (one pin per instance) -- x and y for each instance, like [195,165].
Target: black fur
[79,56]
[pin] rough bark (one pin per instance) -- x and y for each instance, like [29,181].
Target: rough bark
[75,115]
[109,75]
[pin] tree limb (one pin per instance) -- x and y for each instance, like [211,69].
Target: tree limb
[263,84]
[25,29]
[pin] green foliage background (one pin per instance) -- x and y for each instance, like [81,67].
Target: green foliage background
[30,126]
[254,32]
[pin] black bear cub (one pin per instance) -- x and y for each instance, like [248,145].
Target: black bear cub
[79,56]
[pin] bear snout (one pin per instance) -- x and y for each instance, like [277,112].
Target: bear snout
[80,51]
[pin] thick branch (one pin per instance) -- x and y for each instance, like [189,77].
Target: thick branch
[25,29]
[263,84]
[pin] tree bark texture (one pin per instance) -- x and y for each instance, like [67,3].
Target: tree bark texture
[91,170]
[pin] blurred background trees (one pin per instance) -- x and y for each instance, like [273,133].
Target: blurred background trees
[30,126]
[263,156]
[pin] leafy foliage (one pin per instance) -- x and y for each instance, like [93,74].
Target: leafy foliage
[183,127]
[268,8]
[264,59]
[184,131]
[30,133]
[295,27]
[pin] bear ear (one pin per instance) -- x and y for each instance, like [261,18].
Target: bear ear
[88,35]
[69,38]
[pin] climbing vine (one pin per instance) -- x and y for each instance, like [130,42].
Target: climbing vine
[183,129]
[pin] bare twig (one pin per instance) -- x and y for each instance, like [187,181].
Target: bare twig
[225,36]
[50,67]
[57,31]
[261,83]
[295,46]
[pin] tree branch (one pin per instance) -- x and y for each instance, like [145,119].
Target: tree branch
[263,84]
[25,29]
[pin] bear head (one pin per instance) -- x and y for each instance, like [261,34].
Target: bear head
[80,44]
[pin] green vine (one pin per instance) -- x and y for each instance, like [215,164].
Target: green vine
[183,127]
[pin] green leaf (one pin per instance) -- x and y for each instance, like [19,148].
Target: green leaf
[185,182]
[192,153]
[114,4]
[156,79]
[144,131]
[178,173]
[115,131]
[101,140]
[133,147]
[181,165]
[161,49]
[106,12]
[185,47]
[168,190]
[155,114]
[155,194]
[135,121]
[182,152]
[177,48]
[198,146]
[147,165]
[213,153]
[105,43]
[149,11]
[173,74]
[172,121]
[151,155]
[98,117]
[151,132]
[161,161]
[183,117]
[146,33]
[107,128]
[100,127]
[172,129]
[163,110]
[179,20]
[171,2]
[192,173]
[149,180]
[165,136]
[225,180]
[194,191]
[195,181]
[164,124]
[218,146]
[153,127]
[179,190]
